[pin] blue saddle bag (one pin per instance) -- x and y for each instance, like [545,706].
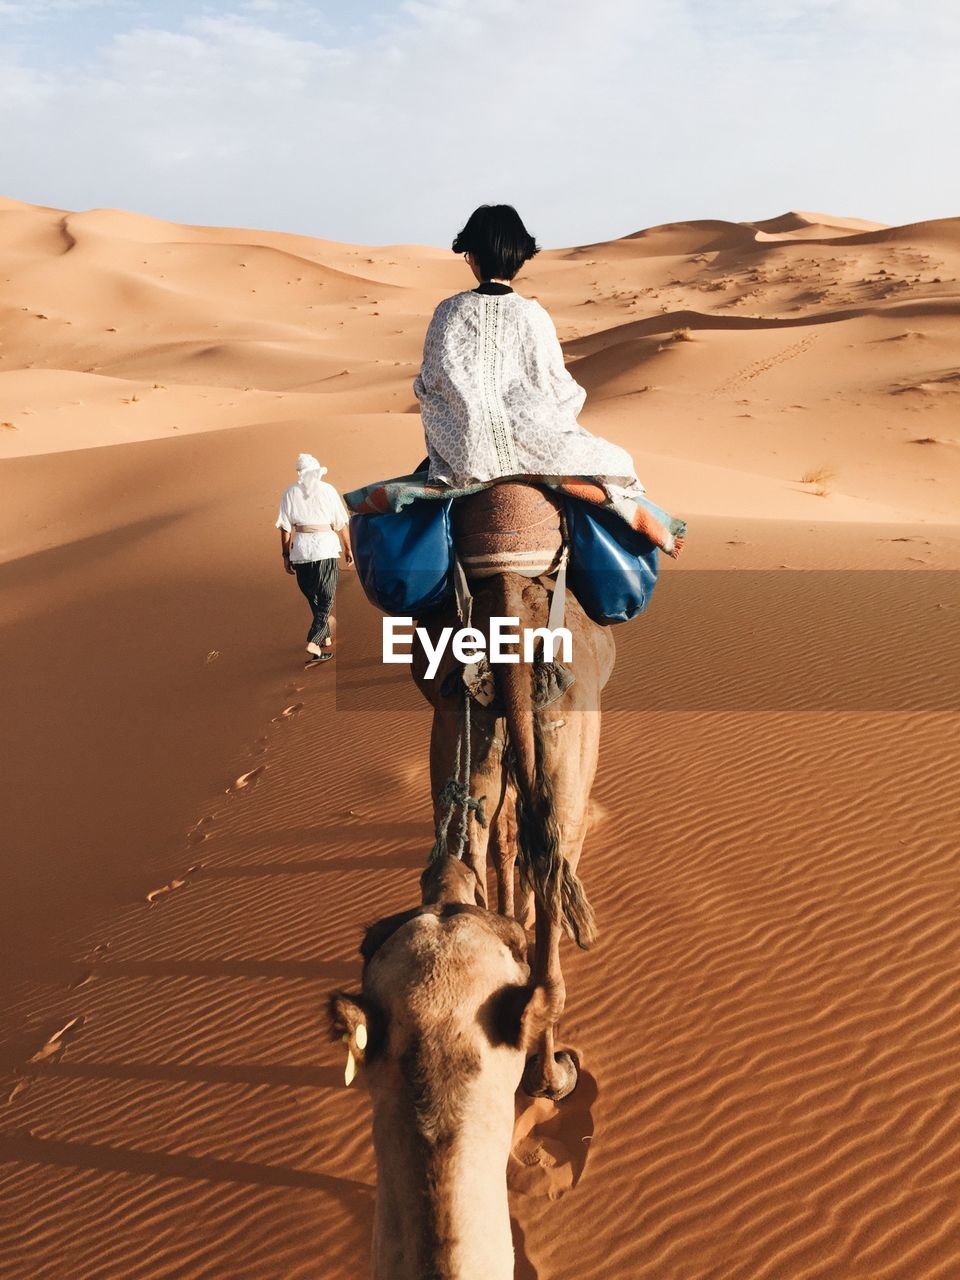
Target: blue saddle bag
[612,569]
[405,559]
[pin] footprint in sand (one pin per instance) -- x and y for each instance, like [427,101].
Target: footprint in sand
[21,1086]
[55,1045]
[154,894]
[288,712]
[50,1052]
[198,832]
[246,780]
[551,1142]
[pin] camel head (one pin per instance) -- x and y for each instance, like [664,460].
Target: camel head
[438,1034]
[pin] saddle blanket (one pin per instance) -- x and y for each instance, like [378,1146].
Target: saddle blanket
[638,512]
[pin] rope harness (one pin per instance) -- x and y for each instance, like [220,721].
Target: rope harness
[455,792]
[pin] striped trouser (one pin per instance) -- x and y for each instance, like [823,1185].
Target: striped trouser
[317,579]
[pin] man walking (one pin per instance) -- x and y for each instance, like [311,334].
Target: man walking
[313,529]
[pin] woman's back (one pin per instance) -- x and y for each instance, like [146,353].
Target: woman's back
[497,400]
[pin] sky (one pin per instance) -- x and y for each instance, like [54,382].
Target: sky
[386,123]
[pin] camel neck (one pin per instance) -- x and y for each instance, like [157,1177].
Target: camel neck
[442,1210]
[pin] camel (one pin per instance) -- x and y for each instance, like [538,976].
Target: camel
[533,758]
[439,1034]
[450,1006]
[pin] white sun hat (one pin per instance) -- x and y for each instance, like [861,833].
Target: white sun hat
[307,462]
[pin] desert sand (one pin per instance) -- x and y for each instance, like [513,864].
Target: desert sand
[195,829]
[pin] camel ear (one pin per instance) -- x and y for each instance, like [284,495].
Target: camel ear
[358,1023]
[517,1015]
[345,1013]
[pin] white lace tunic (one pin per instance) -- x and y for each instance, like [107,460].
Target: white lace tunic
[496,399]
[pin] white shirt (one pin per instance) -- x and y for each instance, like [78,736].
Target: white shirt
[497,400]
[321,505]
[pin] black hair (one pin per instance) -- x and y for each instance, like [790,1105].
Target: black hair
[499,241]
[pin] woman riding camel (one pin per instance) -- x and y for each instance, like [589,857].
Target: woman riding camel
[495,396]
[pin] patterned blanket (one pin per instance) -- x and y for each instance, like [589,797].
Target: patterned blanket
[638,512]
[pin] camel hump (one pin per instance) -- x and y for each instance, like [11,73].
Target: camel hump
[510,527]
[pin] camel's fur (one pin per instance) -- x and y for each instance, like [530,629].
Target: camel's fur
[536,770]
[447,1013]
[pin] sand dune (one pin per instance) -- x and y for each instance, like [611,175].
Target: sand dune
[179,311]
[195,829]
[796,223]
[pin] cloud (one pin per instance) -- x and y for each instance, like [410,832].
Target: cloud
[595,120]
[39,10]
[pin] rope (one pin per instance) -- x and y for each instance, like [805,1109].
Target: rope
[455,792]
